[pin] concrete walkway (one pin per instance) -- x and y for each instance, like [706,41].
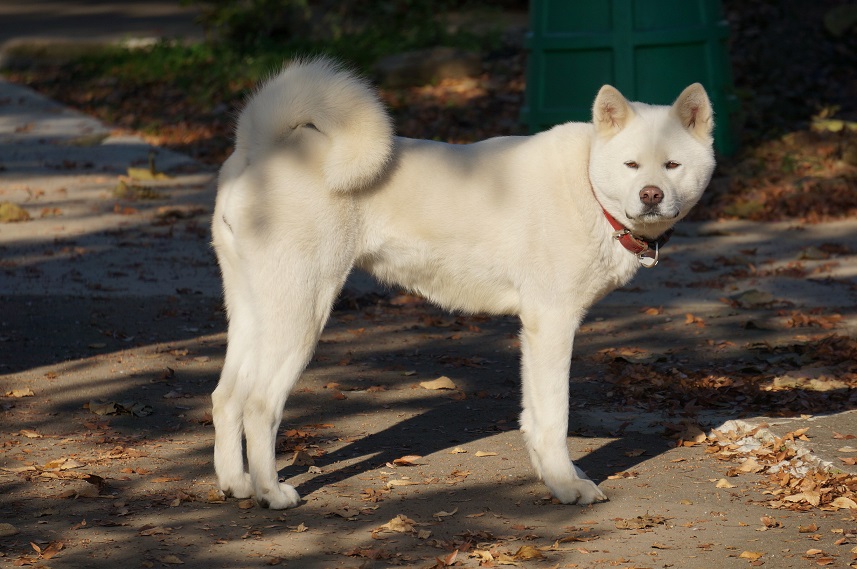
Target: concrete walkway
[95,20]
[112,337]
[109,296]
[55,29]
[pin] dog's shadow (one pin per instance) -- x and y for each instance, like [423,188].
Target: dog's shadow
[457,423]
[603,441]
[491,403]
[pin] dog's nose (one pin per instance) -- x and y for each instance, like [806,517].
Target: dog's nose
[651,195]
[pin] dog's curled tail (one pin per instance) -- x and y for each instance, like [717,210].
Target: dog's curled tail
[319,93]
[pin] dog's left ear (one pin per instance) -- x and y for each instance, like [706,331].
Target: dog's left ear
[611,111]
[694,111]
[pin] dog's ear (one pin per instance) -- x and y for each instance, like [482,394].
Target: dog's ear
[694,111]
[611,111]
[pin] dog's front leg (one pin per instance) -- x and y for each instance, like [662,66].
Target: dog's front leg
[546,343]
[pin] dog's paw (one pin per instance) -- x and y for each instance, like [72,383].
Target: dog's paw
[577,491]
[240,488]
[281,497]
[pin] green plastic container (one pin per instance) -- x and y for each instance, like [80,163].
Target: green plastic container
[648,49]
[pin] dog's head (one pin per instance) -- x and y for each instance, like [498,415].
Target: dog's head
[650,164]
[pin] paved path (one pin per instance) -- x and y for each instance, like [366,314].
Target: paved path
[95,20]
[57,28]
[108,301]
[112,336]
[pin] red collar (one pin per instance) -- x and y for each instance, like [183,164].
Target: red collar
[645,250]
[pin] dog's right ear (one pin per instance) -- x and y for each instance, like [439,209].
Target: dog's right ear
[611,111]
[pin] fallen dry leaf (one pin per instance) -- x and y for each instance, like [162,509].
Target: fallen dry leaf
[480,453]
[149,530]
[751,555]
[753,299]
[147,174]
[449,560]
[162,479]
[373,494]
[622,475]
[407,460]
[368,553]
[302,458]
[50,212]
[810,496]
[24,392]
[844,503]
[442,382]
[485,557]
[443,514]
[400,482]
[51,550]
[102,408]
[640,522]
[399,524]
[750,465]
[11,213]
[406,299]
[690,433]
[527,552]
[691,319]
[8,530]
[723,483]
[345,514]
[62,464]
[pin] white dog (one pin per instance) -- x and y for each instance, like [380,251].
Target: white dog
[540,227]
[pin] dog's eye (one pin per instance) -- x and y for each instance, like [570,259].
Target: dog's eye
[632,164]
[671,165]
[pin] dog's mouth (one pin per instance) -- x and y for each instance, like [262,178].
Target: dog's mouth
[654,213]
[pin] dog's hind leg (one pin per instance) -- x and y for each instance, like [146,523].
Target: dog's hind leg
[227,401]
[292,305]
[546,344]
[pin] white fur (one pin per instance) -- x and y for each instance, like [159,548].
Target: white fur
[317,184]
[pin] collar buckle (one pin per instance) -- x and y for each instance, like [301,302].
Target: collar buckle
[649,261]
[647,252]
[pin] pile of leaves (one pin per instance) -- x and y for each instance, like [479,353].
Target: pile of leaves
[793,482]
